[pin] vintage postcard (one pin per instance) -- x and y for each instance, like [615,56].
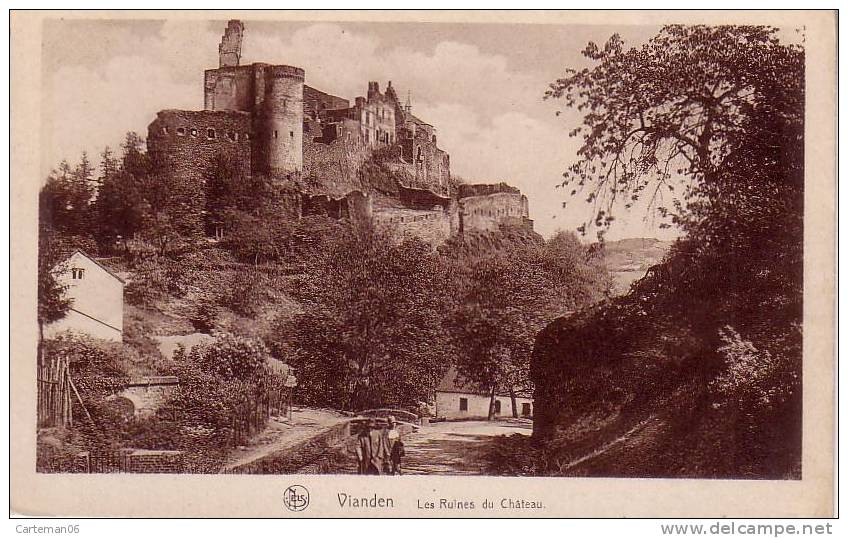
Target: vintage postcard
[427,264]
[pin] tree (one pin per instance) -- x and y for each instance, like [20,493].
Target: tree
[370,334]
[65,198]
[505,296]
[53,303]
[695,102]
[138,199]
[715,116]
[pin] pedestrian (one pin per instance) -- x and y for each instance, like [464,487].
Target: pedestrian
[371,449]
[395,446]
[363,448]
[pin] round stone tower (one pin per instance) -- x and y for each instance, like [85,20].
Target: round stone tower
[282,120]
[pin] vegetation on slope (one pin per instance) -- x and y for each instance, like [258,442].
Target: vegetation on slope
[696,372]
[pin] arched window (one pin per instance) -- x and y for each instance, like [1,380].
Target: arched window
[210,134]
[180,131]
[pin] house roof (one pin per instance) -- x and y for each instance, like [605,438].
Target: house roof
[97,263]
[453,382]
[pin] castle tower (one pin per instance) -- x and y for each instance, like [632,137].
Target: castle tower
[281,122]
[229,50]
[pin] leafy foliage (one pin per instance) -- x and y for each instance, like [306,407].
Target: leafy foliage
[370,334]
[506,295]
[720,111]
[231,357]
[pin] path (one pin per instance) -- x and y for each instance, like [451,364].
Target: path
[456,448]
[280,434]
[445,448]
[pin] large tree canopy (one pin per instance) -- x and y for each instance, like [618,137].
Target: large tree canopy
[709,107]
[710,339]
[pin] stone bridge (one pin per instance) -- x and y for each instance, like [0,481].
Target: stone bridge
[142,396]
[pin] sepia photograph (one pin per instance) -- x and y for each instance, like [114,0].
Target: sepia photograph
[272,245]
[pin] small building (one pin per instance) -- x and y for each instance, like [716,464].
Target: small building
[97,295]
[455,399]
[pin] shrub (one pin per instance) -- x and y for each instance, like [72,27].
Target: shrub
[231,357]
[204,316]
[244,293]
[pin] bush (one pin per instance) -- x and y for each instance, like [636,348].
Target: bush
[204,316]
[245,292]
[222,399]
[231,357]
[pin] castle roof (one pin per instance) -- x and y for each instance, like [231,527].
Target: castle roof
[415,119]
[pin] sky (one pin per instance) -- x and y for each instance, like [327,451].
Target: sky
[480,85]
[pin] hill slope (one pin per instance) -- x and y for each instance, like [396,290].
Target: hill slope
[628,259]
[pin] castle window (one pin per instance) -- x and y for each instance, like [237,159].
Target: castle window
[291,134]
[434,139]
[232,136]
[419,155]
[210,134]
[164,130]
[247,136]
[180,131]
[276,134]
[77,273]
[193,132]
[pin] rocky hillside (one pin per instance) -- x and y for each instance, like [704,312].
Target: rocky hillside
[628,259]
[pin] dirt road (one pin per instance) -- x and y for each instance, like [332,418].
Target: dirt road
[456,448]
[280,434]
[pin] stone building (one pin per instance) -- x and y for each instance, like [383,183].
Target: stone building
[267,119]
[97,296]
[455,399]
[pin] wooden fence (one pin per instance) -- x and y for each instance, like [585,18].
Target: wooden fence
[54,394]
[252,414]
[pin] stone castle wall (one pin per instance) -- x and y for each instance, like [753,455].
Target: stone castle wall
[432,226]
[186,143]
[334,168]
[267,118]
[488,212]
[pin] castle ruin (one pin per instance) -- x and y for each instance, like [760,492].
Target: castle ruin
[268,120]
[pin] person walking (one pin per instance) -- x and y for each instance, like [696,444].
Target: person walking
[371,449]
[363,448]
[395,445]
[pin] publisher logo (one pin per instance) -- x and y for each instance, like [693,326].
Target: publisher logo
[296,498]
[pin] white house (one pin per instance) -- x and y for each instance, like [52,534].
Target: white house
[98,300]
[455,399]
